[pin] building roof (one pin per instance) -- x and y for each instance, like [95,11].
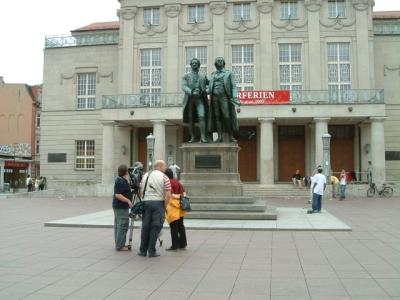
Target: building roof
[114,25]
[386,15]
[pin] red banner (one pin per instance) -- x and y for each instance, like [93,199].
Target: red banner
[264,97]
[16,164]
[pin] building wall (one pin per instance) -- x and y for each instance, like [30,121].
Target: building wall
[387,74]
[62,123]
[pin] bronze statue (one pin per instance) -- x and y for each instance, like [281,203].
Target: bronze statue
[195,104]
[224,100]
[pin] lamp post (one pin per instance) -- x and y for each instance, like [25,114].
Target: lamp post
[326,165]
[150,150]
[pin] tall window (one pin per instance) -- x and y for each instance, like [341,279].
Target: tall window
[150,75]
[196,52]
[151,16]
[86,90]
[196,13]
[241,12]
[289,10]
[37,146]
[337,8]
[243,66]
[339,71]
[84,159]
[290,68]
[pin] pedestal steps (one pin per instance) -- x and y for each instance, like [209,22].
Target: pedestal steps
[278,190]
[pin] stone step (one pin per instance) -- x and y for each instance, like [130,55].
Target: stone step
[221,199]
[268,214]
[258,206]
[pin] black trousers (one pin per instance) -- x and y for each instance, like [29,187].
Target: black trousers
[178,234]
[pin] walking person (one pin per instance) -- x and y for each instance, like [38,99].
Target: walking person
[369,173]
[175,214]
[342,184]
[29,183]
[176,170]
[156,192]
[318,188]
[122,201]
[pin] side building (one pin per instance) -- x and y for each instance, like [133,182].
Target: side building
[108,85]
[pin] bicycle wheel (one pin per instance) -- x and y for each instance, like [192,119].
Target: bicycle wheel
[387,192]
[370,192]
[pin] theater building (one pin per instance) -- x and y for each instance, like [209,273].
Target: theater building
[304,68]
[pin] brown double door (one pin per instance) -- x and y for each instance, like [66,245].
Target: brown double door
[247,141]
[291,143]
[342,148]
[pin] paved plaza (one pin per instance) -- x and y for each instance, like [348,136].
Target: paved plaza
[38,262]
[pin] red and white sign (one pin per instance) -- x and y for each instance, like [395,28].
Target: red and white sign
[264,97]
[16,164]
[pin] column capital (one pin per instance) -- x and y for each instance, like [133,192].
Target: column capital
[377,119]
[321,120]
[217,8]
[158,121]
[361,5]
[127,13]
[265,6]
[313,5]
[266,120]
[172,10]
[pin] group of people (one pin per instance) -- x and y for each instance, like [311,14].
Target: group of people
[38,184]
[160,192]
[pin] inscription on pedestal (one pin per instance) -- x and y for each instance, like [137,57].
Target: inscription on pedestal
[207,162]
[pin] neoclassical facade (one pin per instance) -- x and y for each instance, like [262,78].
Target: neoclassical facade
[108,85]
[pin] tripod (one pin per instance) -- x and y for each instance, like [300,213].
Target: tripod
[135,214]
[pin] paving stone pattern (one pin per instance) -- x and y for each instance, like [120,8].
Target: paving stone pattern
[38,262]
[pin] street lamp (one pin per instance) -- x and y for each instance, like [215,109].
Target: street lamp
[326,142]
[150,149]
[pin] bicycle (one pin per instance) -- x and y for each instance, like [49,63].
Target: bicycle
[386,191]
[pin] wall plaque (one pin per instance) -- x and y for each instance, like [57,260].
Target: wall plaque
[392,155]
[56,157]
[207,161]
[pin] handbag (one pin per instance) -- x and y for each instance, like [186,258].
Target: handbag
[185,203]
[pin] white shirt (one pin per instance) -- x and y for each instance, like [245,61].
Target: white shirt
[157,185]
[343,180]
[319,180]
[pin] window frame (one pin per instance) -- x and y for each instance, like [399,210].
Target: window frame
[337,5]
[152,15]
[150,94]
[294,92]
[85,156]
[87,99]
[197,9]
[245,7]
[292,6]
[243,86]
[341,94]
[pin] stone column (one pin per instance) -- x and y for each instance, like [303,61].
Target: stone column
[314,46]
[265,8]
[364,57]
[125,49]
[321,127]
[108,168]
[266,151]
[159,134]
[172,12]
[378,149]
[218,9]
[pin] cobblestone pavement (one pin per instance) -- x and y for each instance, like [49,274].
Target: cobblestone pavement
[38,262]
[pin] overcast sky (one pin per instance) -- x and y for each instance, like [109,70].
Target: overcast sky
[25,23]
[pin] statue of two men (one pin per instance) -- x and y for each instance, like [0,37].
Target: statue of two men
[218,114]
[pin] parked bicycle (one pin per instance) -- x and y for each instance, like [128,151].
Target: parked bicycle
[386,191]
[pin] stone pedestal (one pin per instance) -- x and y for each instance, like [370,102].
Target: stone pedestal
[211,169]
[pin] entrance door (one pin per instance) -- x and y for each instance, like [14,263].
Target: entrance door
[342,148]
[142,145]
[291,148]
[247,141]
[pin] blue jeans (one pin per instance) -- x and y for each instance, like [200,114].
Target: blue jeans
[342,189]
[152,223]
[316,202]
